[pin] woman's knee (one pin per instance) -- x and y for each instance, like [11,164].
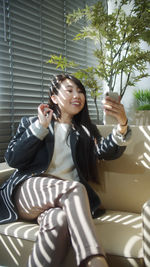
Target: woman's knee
[77,186]
[54,218]
[80,189]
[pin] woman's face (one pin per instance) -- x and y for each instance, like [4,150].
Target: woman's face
[70,100]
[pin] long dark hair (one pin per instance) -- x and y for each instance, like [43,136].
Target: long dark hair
[79,120]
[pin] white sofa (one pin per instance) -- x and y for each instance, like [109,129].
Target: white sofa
[123,230]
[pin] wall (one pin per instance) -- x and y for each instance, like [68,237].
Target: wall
[128,99]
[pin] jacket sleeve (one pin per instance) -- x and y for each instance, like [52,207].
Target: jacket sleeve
[24,145]
[113,146]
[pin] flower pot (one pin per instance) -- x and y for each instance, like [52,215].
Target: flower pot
[142,117]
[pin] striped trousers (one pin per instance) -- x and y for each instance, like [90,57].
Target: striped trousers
[62,210]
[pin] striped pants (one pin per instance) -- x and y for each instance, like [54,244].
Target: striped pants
[63,214]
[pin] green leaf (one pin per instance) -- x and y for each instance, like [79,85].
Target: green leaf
[61,62]
[117,52]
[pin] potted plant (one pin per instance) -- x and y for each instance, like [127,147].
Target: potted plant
[118,52]
[142,115]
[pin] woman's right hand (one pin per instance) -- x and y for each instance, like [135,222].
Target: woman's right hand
[44,115]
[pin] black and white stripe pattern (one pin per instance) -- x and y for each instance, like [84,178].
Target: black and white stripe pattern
[31,155]
[59,206]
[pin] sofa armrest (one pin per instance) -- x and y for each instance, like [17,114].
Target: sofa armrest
[5,172]
[146,232]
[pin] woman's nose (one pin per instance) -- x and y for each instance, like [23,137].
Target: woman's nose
[75,94]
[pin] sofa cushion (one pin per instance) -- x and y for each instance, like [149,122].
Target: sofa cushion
[119,233]
[20,229]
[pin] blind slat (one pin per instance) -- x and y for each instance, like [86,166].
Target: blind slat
[35,29]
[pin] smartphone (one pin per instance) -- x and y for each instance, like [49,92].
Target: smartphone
[108,119]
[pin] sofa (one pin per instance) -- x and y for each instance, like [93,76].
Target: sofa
[123,230]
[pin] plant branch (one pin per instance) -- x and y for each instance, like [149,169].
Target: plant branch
[97,110]
[124,88]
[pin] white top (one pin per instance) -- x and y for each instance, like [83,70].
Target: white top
[62,164]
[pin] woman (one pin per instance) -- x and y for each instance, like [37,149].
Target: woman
[55,155]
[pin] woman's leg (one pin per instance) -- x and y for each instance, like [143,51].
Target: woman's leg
[52,240]
[42,193]
[80,223]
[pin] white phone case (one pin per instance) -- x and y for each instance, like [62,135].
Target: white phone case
[108,119]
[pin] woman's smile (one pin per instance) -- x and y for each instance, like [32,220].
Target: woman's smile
[70,100]
[76,103]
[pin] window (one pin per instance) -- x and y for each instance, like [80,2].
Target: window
[30,31]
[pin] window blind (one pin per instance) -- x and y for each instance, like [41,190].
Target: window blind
[30,31]
[82,51]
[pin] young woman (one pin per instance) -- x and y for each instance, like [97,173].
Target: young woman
[55,154]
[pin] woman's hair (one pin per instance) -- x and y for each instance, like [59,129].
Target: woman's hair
[82,118]
[80,121]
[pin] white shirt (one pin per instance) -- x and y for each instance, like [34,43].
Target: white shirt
[62,164]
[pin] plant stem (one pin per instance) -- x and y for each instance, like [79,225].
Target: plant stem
[97,110]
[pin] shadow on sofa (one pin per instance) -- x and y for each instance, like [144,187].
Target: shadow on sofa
[123,230]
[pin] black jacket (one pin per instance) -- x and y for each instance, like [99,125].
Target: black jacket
[31,156]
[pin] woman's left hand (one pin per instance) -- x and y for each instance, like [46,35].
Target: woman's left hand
[44,115]
[115,109]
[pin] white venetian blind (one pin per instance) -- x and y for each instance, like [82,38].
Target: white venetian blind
[30,31]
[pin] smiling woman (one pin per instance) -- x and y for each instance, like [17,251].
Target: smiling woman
[38,28]
[55,154]
[70,100]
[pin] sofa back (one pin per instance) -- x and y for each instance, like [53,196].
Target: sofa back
[125,182]
[5,172]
